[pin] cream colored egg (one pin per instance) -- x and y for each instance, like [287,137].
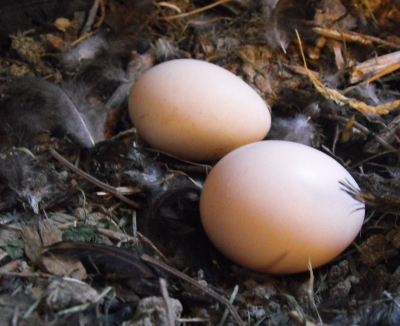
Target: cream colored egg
[196,110]
[272,205]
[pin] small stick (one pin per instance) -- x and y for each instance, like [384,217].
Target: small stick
[84,306]
[91,17]
[204,22]
[165,295]
[384,73]
[364,130]
[122,237]
[247,60]
[197,10]
[147,240]
[339,98]
[294,315]
[196,284]
[353,37]
[233,296]
[193,320]
[84,37]
[102,14]
[26,275]
[92,179]
[128,132]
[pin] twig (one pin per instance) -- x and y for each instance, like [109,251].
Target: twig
[11,266]
[294,315]
[91,17]
[364,130]
[14,321]
[232,298]
[192,168]
[197,10]
[340,36]
[397,152]
[89,22]
[2,256]
[205,166]
[92,179]
[147,240]
[82,38]
[84,306]
[247,60]
[26,275]
[353,37]
[301,70]
[130,132]
[310,290]
[32,307]
[102,14]
[122,237]
[169,5]
[384,73]
[376,67]
[389,135]
[193,320]
[339,98]
[164,293]
[196,284]
[204,22]
[370,11]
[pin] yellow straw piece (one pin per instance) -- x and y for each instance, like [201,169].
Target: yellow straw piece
[337,97]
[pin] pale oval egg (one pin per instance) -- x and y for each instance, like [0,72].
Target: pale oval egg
[273,205]
[196,110]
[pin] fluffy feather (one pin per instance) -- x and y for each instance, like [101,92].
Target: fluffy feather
[366,93]
[119,35]
[87,49]
[118,163]
[283,17]
[76,116]
[137,66]
[298,129]
[23,178]
[373,314]
[165,50]
[101,76]
[35,105]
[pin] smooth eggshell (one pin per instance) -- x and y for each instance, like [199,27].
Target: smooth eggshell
[272,205]
[196,110]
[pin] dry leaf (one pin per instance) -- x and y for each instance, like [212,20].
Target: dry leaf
[64,266]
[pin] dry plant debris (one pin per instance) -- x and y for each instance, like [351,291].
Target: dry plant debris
[96,228]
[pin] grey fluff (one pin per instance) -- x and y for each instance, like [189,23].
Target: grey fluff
[298,129]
